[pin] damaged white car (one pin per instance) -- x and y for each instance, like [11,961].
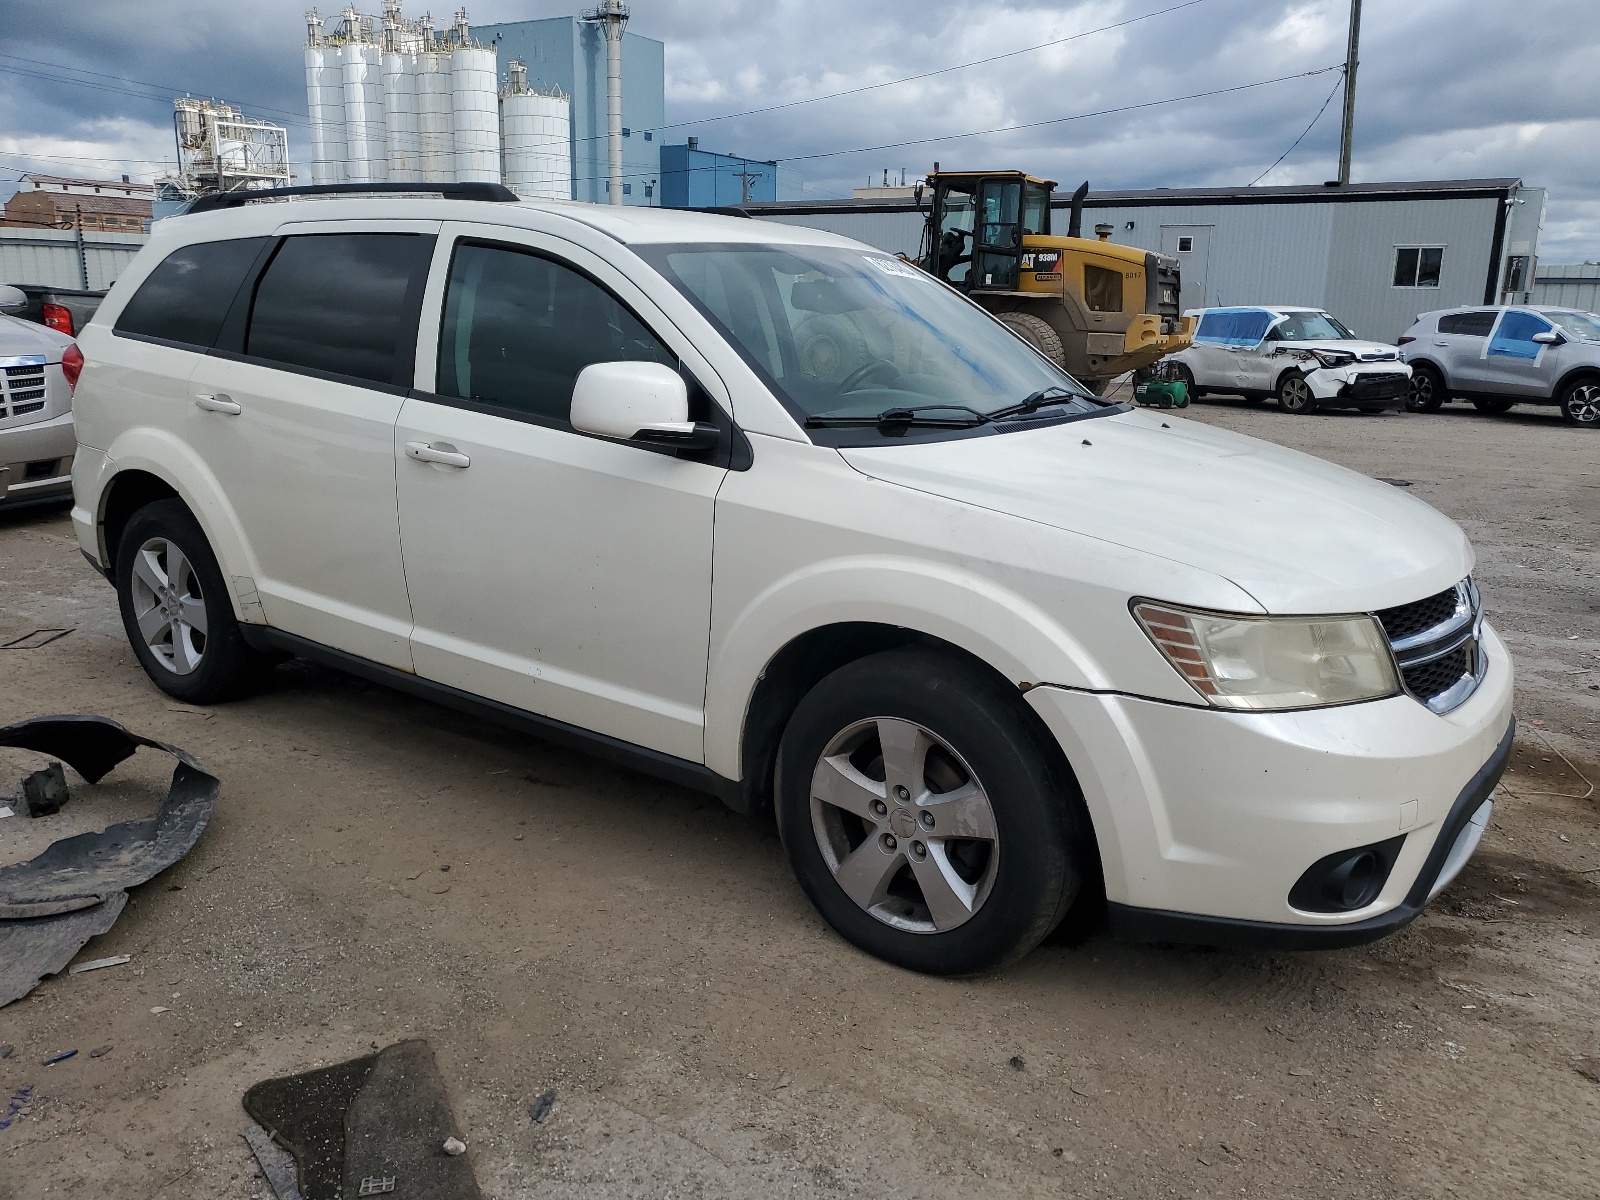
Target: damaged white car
[1304,357]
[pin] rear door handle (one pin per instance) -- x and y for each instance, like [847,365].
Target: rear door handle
[218,403]
[423,452]
[1441,343]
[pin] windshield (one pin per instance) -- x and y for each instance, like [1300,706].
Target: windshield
[1311,327]
[1583,326]
[847,333]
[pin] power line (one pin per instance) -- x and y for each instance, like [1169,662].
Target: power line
[1302,137]
[1102,112]
[167,92]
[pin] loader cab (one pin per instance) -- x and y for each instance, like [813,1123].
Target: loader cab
[977,222]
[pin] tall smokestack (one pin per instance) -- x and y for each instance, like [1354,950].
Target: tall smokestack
[612,16]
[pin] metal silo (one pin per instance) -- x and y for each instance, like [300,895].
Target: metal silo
[400,114]
[475,108]
[366,138]
[535,139]
[325,104]
[435,114]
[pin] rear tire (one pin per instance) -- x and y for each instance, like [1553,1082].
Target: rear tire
[1427,391]
[1580,404]
[972,860]
[1493,406]
[177,611]
[1036,331]
[1294,395]
[1186,377]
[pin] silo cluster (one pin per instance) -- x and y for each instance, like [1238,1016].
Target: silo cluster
[393,100]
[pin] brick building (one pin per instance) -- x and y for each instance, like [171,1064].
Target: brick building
[56,202]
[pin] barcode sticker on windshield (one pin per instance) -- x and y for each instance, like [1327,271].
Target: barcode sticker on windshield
[893,266]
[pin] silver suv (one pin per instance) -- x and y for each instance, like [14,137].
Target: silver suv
[1497,356]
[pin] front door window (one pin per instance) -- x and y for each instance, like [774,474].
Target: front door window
[957,225]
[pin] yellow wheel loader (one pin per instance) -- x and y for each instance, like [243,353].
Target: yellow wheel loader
[1095,308]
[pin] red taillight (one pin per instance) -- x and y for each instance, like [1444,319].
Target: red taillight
[58,317]
[1404,341]
[72,365]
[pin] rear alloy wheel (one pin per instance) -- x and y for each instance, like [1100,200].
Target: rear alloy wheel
[924,814]
[1426,392]
[1493,406]
[1581,404]
[1295,396]
[176,609]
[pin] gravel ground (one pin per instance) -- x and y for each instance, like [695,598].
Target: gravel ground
[380,868]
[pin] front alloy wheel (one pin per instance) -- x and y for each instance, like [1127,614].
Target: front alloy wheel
[1581,404]
[169,606]
[1295,395]
[904,825]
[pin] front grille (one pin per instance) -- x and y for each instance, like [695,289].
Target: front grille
[1374,386]
[1405,620]
[1433,679]
[1436,645]
[1380,356]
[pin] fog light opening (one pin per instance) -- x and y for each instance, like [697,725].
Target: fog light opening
[1348,880]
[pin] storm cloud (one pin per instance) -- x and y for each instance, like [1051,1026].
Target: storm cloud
[1447,88]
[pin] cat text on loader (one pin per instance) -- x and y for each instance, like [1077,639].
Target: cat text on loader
[1097,309]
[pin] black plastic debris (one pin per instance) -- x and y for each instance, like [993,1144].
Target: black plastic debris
[76,888]
[44,792]
[58,1056]
[383,1116]
[540,1109]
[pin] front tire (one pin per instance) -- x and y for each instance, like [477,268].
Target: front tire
[1295,396]
[1580,404]
[176,610]
[1036,331]
[926,815]
[1427,392]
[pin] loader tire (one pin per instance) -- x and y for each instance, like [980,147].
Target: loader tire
[1037,333]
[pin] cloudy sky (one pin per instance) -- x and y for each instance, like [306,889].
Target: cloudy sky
[1447,88]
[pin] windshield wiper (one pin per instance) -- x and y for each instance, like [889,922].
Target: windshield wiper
[892,418]
[1054,394]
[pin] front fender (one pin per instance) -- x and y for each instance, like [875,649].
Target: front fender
[1004,629]
[174,462]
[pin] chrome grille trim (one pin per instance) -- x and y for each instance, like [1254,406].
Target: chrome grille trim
[1418,651]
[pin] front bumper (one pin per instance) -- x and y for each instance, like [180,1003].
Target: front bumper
[1207,819]
[36,462]
[1379,385]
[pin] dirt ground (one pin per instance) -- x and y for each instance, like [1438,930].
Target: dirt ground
[379,868]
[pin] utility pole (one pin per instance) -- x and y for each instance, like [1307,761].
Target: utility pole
[746,178]
[1351,60]
[612,17]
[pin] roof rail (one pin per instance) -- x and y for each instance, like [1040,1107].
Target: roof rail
[723,210]
[450,191]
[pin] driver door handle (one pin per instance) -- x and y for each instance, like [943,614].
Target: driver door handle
[423,452]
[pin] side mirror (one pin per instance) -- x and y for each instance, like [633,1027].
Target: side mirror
[1549,338]
[12,299]
[638,402]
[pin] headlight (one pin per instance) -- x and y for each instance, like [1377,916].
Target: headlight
[1333,358]
[1256,663]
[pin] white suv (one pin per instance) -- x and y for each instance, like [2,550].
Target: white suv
[1303,356]
[770,513]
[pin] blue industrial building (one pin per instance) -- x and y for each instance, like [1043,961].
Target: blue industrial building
[570,53]
[696,178]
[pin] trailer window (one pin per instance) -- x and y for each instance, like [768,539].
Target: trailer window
[1418,266]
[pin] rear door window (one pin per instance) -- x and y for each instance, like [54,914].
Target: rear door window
[342,304]
[1234,326]
[185,298]
[518,328]
[1472,324]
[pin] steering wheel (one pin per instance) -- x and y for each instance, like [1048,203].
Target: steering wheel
[865,372]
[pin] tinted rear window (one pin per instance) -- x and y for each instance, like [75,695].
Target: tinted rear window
[1473,324]
[187,296]
[342,303]
[1234,326]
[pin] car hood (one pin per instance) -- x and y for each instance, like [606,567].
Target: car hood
[1360,349]
[18,337]
[1299,534]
